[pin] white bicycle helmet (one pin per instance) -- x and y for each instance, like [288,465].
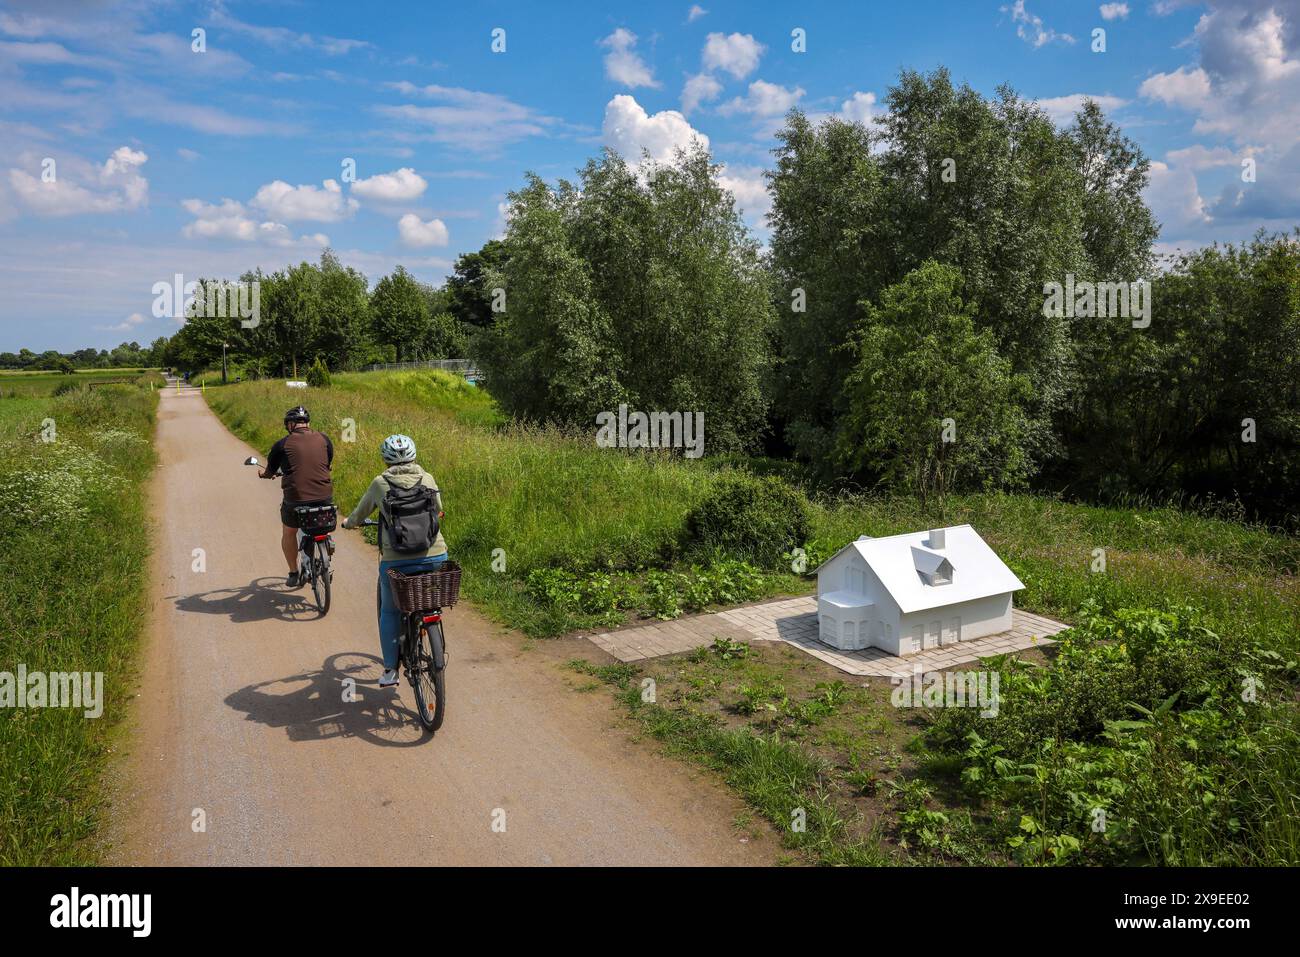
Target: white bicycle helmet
[398,449]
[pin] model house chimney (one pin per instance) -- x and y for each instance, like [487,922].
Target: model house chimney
[936,539]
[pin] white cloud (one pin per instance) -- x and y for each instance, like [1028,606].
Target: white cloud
[1031,28]
[737,53]
[231,220]
[859,108]
[1061,109]
[398,186]
[126,325]
[628,129]
[695,13]
[416,232]
[281,201]
[282,37]
[79,187]
[763,99]
[749,187]
[1113,11]
[483,122]
[187,154]
[700,88]
[1189,89]
[623,64]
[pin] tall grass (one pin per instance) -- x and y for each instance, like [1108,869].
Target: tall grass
[73,548]
[547,498]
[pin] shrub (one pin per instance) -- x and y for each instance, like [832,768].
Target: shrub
[754,519]
[318,375]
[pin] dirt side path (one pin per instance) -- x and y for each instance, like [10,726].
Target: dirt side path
[241,716]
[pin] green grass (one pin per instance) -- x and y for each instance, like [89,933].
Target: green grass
[20,383]
[549,499]
[74,551]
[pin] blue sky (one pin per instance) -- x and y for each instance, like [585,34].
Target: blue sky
[168,160]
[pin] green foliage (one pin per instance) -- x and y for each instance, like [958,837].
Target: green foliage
[757,519]
[924,369]
[318,374]
[637,285]
[1150,739]
[399,310]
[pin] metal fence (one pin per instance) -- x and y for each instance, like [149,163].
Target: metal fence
[465,367]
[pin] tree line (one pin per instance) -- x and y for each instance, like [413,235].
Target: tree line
[892,334]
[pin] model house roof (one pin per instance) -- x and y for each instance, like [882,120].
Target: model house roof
[906,563]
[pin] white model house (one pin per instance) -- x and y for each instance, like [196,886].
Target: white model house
[907,593]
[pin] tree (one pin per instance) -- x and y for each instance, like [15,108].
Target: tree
[469,298]
[930,405]
[344,313]
[638,285]
[399,312]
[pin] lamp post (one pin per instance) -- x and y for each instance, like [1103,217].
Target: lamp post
[223,363]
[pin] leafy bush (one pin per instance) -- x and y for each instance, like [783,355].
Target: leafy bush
[1150,740]
[318,375]
[755,519]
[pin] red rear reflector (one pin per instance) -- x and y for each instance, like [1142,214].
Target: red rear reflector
[430,619]
[319,538]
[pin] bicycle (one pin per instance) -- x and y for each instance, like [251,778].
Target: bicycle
[315,548]
[422,650]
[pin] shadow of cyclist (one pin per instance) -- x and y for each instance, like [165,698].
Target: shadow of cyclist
[341,700]
[260,600]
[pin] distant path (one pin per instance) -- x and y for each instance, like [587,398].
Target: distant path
[241,715]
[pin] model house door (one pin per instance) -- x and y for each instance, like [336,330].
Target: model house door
[932,635]
[918,635]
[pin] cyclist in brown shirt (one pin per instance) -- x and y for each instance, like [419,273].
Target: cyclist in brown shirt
[303,459]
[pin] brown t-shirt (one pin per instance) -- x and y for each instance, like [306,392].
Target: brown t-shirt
[303,457]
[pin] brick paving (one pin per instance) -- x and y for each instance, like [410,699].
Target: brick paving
[794,621]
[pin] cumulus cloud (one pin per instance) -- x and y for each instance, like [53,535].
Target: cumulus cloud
[416,232]
[1031,28]
[763,99]
[695,13]
[748,186]
[78,187]
[1187,88]
[623,64]
[629,130]
[1061,109]
[859,108]
[737,53]
[700,88]
[398,186]
[231,220]
[1113,11]
[281,201]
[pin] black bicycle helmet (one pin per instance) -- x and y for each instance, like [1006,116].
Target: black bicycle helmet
[296,414]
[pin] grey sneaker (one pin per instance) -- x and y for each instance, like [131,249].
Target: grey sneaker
[388,678]
[293,581]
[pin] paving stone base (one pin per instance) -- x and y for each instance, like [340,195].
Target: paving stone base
[794,621]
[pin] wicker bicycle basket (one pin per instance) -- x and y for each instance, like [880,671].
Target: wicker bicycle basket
[426,590]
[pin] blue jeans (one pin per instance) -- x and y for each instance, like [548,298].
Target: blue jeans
[390,619]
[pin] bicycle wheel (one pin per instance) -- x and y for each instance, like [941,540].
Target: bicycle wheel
[429,680]
[320,581]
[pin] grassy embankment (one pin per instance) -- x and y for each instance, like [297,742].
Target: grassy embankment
[73,550]
[772,721]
